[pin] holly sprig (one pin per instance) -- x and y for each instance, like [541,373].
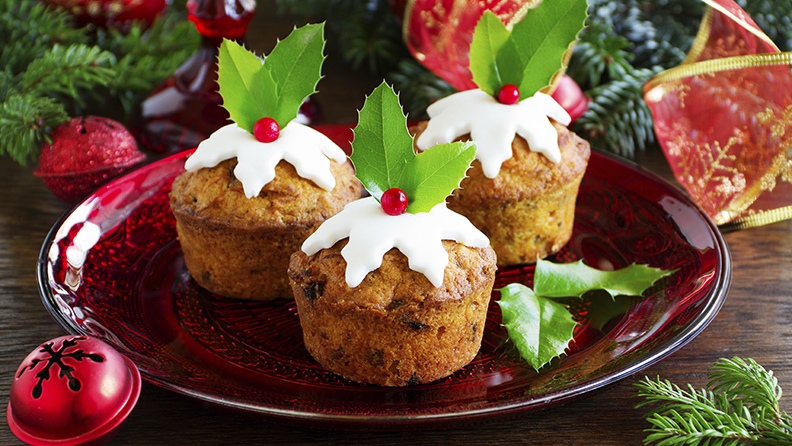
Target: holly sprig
[529,55]
[740,405]
[384,158]
[274,86]
[542,328]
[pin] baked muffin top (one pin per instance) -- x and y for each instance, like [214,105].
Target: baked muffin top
[215,193]
[527,173]
[394,284]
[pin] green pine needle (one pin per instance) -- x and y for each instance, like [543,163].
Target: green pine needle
[52,70]
[740,406]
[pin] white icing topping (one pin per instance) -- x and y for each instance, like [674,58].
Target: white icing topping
[492,125]
[308,150]
[372,233]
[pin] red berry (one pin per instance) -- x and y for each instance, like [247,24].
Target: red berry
[266,130]
[394,201]
[509,94]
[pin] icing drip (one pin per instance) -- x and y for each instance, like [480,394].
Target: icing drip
[492,126]
[308,150]
[372,233]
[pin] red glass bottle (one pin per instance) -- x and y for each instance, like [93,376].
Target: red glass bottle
[186,109]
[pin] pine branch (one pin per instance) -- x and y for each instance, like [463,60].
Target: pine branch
[28,29]
[618,119]
[418,87]
[25,122]
[66,70]
[739,406]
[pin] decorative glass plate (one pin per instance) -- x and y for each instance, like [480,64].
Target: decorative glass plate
[112,268]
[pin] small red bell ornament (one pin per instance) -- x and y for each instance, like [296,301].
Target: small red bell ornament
[72,390]
[85,153]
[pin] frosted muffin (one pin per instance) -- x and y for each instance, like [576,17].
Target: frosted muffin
[253,190]
[394,289]
[395,328]
[528,209]
[239,247]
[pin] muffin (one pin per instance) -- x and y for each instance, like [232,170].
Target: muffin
[239,247]
[528,209]
[394,289]
[395,328]
[253,190]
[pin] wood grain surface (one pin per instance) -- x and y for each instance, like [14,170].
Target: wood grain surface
[755,322]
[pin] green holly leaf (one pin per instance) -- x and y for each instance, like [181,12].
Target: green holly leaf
[574,279]
[531,54]
[540,328]
[543,36]
[383,155]
[382,144]
[432,175]
[244,88]
[275,87]
[296,66]
[488,38]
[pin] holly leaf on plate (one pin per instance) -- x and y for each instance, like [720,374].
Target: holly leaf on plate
[574,279]
[532,53]
[384,158]
[540,328]
[275,87]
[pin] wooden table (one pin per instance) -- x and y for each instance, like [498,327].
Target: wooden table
[755,322]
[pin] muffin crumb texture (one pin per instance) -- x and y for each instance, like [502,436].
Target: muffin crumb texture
[528,210]
[395,328]
[239,247]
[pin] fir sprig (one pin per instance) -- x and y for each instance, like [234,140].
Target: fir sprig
[741,405]
[52,69]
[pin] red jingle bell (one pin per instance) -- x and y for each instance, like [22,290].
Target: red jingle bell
[72,390]
[85,153]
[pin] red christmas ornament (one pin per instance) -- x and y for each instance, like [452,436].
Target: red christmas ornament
[569,96]
[72,390]
[509,94]
[111,13]
[266,130]
[85,153]
[394,201]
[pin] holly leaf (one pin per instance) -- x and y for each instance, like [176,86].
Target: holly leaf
[246,92]
[532,53]
[540,328]
[574,279]
[603,308]
[275,87]
[384,158]
[432,175]
[543,36]
[382,145]
[296,66]
[489,37]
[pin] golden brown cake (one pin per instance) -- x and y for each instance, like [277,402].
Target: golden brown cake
[528,209]
[240,247]
[395,328]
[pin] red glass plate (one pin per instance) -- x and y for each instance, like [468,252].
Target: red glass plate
[112,268]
